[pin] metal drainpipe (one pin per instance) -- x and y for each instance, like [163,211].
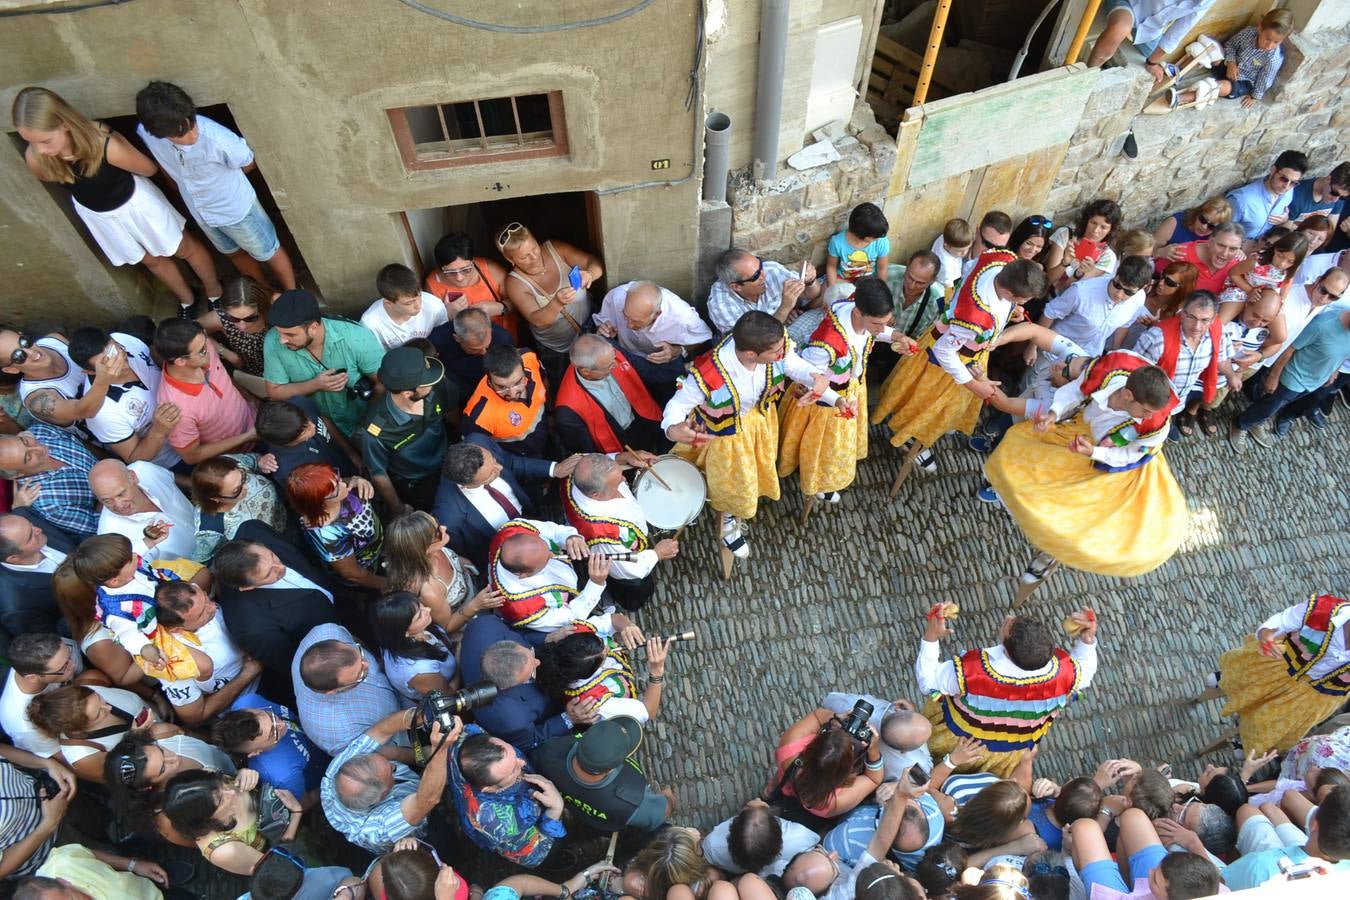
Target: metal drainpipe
[773,32]
[716,156]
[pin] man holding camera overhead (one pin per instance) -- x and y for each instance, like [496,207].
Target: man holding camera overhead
[374,801]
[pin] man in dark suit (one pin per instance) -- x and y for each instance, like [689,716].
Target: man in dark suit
[462,343]
[271,597]
[482,487]
[30,550]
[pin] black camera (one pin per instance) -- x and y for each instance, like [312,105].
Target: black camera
[438,707]
[856,723]
[363,389]
[44,785]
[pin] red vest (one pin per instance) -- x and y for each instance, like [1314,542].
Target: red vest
[1171,331]
[830,337]
[969,309]
[576,398]
[1115,362]
[1312,641]
[599,529]
[1007,713]
[520,609]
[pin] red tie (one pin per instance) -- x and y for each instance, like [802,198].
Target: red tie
[507,506]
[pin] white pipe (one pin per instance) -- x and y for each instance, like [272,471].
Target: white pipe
[773,31]
[716,156]
[1026,45]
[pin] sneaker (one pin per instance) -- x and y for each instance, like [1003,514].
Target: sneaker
[1212,680]
[733,537]
[188,312]
[926,461]
[1039,569]
[1237,438]
[987,494]
[831,497]
[980,444]
[1261,435]
[1283,426]
[1318,419]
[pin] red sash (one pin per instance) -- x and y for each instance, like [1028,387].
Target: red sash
[1303,649]
[520,609]
[971,311]
[599,529]
[1118,362]
[1171,331]
[576,398]
[607,682]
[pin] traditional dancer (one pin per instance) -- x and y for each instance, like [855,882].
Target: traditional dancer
[600,506]
[942,389]
[1292,674]
[1083,478]
[824,442]
[1006,696]
[733,435]
[541,589]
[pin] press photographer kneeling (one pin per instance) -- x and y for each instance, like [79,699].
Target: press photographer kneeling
[825,766]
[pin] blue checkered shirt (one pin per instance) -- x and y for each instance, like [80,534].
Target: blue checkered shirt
[1255,65]
[333,721]
[65,500]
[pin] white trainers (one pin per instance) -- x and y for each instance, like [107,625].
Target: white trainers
[1212,680]
[926,461]
[733,537]
[832,497]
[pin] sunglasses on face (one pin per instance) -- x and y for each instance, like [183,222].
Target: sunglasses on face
[126,772]
[455,273]
[759,270]
[237,491]
[1201,220]
[1123,288]
[1167,280]
[507,232]
[1322,289]
[20,354]
[241,320]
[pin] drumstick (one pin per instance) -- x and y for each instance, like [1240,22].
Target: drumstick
[659,480]
[613,845]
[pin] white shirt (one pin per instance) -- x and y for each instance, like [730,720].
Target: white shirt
[950,265]
[936,676]
[748,384]
[608,394]
[1298,311]
[676,322]
[127,702]
[401,670]
[1086,314]
[14,717]
[625,507]
[1165,22]
[1318,264]
[1101,418]
[393,334]
[68,385]
[1290,621]
[557,571]
[51,558]
[293,580]
[209,173]
[796,839]
[857,342]
[947,348]
[226,658]
[127,410]
[159,486]
[487,505]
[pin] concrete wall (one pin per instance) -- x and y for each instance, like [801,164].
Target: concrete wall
[308,85]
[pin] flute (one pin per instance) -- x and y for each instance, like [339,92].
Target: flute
[625,556]
[673,638]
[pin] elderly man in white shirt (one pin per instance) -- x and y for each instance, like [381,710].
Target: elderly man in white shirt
[530,562]
[141,494]
[655,329]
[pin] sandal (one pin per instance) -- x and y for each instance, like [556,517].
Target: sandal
[1186,424]
[1205,419]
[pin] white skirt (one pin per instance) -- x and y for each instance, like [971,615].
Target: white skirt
[145,224]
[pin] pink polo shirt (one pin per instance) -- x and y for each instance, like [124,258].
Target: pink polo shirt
[212,411]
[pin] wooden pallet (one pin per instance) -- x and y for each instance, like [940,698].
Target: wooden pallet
[890,87]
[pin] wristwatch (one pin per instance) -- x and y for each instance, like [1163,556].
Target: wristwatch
[566,892]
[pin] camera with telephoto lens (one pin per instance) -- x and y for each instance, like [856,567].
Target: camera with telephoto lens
[856,723]
[438,707]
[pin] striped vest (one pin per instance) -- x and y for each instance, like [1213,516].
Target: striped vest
[522,608]
[831,335]
[1007,713]
[1313,641]
[720,411]
[601,529]
[609,681]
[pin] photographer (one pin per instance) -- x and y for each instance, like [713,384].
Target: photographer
[373,801]
[826,766]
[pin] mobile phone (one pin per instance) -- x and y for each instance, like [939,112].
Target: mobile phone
[574,278]
[452,296]
[341,371]
[111,353]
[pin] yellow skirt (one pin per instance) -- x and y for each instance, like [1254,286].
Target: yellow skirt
[1274,710]
[740,468]
[920,400]
[943,742]
[823,444]
[1111,523]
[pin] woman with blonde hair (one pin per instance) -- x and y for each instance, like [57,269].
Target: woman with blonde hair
[1194,224]
[108,180]
[1000,882]
[418,560]
[542,288]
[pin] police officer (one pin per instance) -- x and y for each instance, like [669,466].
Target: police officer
[408,428]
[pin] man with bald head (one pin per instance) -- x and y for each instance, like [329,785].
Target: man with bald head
[603,406]
[655,329]
[141,494]
[903,733]
[462,343]
[600,506]
[30,551]
[50,471]
[541,590]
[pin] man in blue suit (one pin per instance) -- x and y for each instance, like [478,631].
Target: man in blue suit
[482,487]
[30,550]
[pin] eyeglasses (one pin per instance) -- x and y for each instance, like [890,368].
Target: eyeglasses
[337,491]
[455,273]
[20,354]
[759,270]
[1205,320]
[1040,222]
[286,854]
[239,491]
[365,673]
[1322,289]
[1286,179]
[276,725]
[1201,220]
[507,232]
[1180,815]
[241,320]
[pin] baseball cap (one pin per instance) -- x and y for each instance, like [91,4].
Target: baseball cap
[407,368]
[607,743]
[293,308]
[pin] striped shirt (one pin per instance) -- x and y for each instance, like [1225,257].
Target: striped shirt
[376,829]
[1254,64]
[21,817]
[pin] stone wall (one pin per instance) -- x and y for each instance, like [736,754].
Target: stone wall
[1190,155]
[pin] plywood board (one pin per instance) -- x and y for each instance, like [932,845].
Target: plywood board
[970,131]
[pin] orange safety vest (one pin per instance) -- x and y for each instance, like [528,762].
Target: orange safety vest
[510,420]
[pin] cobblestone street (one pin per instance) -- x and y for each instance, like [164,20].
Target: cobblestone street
[839,605]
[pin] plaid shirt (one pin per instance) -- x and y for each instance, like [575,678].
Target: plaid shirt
[377,828]
[65,500]
[335,720]
[1257,66]
[724,307]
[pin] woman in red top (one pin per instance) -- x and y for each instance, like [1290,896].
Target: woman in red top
[461,280]
[834,775]
[1214,258]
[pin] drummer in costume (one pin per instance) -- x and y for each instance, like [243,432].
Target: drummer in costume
[942,388]
[1006,696]
[823,442]
[600,506]
[1084,478]
[541,591]
[1291,675]
[724,419]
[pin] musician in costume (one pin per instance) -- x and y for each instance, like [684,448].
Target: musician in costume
[1084,478]
[592,665]
[824,442]
[1006,696]
[600,506]
[724,420]
[541,590]
[1292,674]
[942,388]
[602,405]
